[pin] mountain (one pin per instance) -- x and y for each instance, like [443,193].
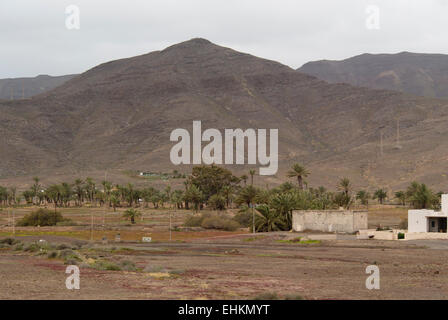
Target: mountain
[119,115]
[20,88]
[414,73]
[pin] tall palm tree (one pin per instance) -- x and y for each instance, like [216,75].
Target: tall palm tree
[345,186]
[35,188]
[300,172]
[363,196]
[244,178]
[381,195]
[401,195]
[284,204]
[248,195]
[79,191]
[131,214]
[252,173]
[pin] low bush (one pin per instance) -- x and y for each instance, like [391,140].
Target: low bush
[266,296]
[41,217]
[9,241]
[209,221]
[52,255]
[293,297]
[195,221]
[127,265]
[244,219]
[106,265]
[32,247]
[220,223]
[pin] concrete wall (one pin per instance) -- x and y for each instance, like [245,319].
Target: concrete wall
[329,220]
[417,221]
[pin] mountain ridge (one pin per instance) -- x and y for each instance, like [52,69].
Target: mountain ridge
[118,117]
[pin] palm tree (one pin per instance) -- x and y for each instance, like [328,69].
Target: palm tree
[421,196]
[381,195]
[79,191]
[195,196]
[244,178]
[131,214]
[35,188]
[267,220]
[284,203]
[363,196]
[345,186]
[114,200]
[252,173]
[248,195]
[401,195]
[300,172]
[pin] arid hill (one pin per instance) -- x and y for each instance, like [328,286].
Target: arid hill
[119,115]
[414,73]
[19,88]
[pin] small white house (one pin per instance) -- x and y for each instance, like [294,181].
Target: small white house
[429,220]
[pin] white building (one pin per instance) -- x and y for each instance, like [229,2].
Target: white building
[429,220]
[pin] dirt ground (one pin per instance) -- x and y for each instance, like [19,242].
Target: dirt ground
[235,267]
[222,265]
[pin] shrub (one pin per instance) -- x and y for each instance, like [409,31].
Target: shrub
[401,235]
[71,262]
[244,219]
[220,223]
[62,246]
[106,265]
[9,241]
[18,247]
[41,217]
[52,255]
[266,296]
[127,265]
[33,247]
[195,221]
[217,202]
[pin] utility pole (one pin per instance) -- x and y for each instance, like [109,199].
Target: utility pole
[381,143]
[170,227]
[398,134]
[253,219]
[13,225]
[23,91]
[170,200]
[105,199]
[91,225]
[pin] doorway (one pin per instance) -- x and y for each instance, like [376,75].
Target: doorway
[437,224]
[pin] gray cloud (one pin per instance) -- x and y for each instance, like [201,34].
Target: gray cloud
[34,39]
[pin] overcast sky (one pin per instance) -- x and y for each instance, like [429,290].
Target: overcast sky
[34,38]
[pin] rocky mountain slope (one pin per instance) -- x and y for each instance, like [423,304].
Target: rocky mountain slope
[414,73]
[119,115]
[20,88]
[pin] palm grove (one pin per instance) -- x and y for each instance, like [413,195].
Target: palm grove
[216,188]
